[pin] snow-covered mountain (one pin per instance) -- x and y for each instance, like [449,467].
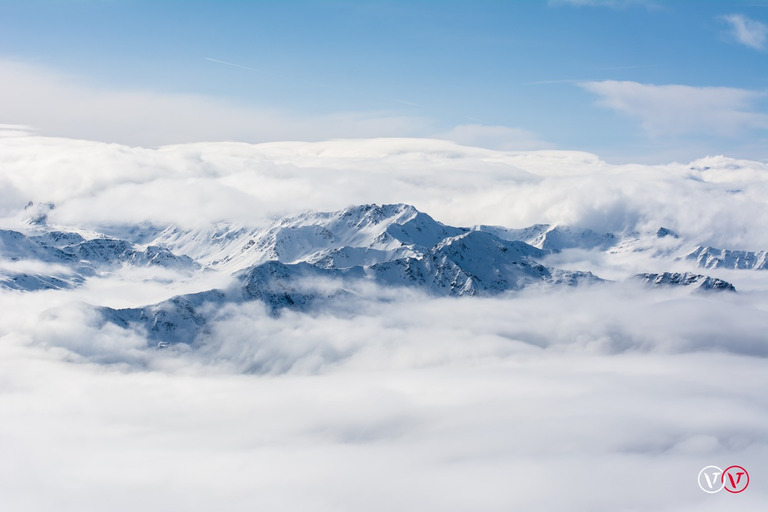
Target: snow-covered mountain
[65,259]
[553,238]
[314,258]
[710,257]
[361,235]
[696,281]
[666,243]
[470,263]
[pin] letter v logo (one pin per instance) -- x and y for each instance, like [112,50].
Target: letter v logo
[710,479]
[737,481]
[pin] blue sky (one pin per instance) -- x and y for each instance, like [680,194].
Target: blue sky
[629,80]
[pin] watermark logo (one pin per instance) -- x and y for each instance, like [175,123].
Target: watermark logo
[709,479]
[733,479]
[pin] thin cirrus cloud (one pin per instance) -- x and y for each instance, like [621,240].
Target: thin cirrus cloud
[57,104]
[747,31]
[682,109]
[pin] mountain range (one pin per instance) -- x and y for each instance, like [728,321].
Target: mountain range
[301,261]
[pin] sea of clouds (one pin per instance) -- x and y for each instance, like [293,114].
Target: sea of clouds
[609,397]
[715,199]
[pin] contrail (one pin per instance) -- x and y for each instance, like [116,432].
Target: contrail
[407,103]
[232,64]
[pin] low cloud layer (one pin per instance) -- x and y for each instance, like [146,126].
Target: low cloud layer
[599,398]
[446,405]
[96,184]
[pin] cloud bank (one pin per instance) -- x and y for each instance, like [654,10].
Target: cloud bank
[600,398]
[96,184]
[489,404]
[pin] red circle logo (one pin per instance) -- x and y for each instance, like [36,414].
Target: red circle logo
[735,479]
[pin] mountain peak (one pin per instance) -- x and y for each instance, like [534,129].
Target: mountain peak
[697,281]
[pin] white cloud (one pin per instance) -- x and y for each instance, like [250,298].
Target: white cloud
[61,106]
[14,130]
[747,31]
[489,405]
[195,184]
[681,109]
[495,137]
[593,399]
[58,105]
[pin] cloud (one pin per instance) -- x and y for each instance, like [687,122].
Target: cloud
[520,402]
[15,130]
[486,404]
[58,105]
[681,109]
[495,137]
[747,31]
[100,185]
